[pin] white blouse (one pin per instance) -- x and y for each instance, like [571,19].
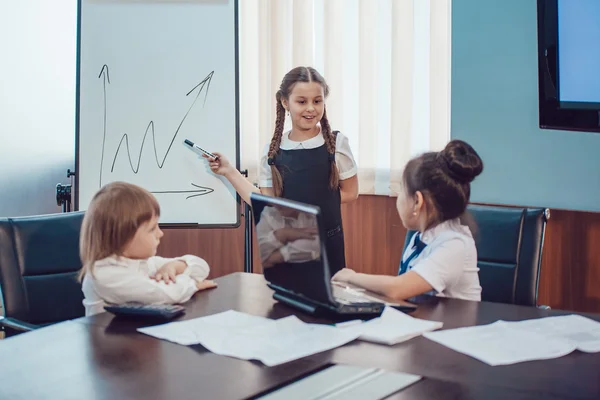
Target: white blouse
[343,156]
[300,250]
[118,280]
[449,261]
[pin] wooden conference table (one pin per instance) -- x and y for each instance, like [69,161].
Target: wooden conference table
[103,357]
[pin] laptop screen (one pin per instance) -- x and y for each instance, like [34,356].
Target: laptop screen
[291,248]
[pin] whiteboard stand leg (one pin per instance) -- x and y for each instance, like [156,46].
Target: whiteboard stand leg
[248,239]
[63,194]
[247,234]
[63,197]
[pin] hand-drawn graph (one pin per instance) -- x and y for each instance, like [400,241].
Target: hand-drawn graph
[124,145]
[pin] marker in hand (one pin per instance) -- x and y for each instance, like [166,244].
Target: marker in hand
[191,145]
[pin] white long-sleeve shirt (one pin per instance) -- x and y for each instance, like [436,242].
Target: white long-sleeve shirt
[300,250]
[118,280]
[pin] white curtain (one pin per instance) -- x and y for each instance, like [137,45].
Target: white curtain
[387,63]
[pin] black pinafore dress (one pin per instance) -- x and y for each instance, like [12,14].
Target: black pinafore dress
[305,174]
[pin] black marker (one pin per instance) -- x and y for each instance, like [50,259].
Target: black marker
[195,146]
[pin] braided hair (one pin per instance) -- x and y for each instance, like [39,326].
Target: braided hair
[299,74]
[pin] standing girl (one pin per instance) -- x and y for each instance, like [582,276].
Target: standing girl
[310,163]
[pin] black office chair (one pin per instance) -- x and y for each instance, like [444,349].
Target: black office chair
[509,252]
[39,263]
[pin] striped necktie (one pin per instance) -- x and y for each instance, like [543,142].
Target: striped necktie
[417,249]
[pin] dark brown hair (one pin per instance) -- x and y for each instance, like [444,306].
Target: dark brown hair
[444,178]
[300,74]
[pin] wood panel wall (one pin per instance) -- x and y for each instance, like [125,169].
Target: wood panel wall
[570,277]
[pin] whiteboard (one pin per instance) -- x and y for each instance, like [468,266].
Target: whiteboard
[150,75]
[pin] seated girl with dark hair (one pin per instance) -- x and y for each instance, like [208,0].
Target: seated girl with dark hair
[441,257]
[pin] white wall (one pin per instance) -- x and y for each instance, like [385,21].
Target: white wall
[37,103]
[495,108]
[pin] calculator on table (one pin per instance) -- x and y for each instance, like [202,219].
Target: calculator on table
[160,311]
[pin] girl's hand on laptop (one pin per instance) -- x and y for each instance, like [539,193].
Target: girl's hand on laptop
[343,275]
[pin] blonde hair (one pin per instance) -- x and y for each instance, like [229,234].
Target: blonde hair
[113,217]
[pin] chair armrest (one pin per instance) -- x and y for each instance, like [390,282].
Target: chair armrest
[16,326]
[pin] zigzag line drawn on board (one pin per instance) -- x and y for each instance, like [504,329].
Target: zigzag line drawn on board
[203,86]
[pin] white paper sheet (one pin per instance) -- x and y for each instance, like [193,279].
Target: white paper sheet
[392,327]
[248,337]
[504,342]
[499,344]
[583,332]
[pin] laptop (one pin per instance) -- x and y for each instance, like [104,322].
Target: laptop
[291,244]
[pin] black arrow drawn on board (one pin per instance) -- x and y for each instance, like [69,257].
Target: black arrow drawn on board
[201,190]
[150,128]
[106,78]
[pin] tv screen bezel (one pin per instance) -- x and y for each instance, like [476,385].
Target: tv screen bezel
[553,114]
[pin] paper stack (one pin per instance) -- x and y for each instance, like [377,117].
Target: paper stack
[391,327]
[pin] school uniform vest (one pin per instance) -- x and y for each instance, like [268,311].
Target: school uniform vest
[305,174]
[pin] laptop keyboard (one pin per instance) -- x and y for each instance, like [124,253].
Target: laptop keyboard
[349,296]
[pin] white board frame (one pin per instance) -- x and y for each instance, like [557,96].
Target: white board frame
[106,76]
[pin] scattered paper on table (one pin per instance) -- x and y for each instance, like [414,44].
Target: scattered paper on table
[235,334]
[579,330]
[502,342]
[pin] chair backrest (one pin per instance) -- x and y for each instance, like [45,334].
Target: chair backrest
[39,262]
[509,244]
[532,247]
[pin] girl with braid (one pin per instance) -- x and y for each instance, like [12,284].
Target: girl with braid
[310,163]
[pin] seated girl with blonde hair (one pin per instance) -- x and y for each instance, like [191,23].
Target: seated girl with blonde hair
[118,243]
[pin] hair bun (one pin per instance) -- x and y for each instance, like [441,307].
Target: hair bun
[462,161]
